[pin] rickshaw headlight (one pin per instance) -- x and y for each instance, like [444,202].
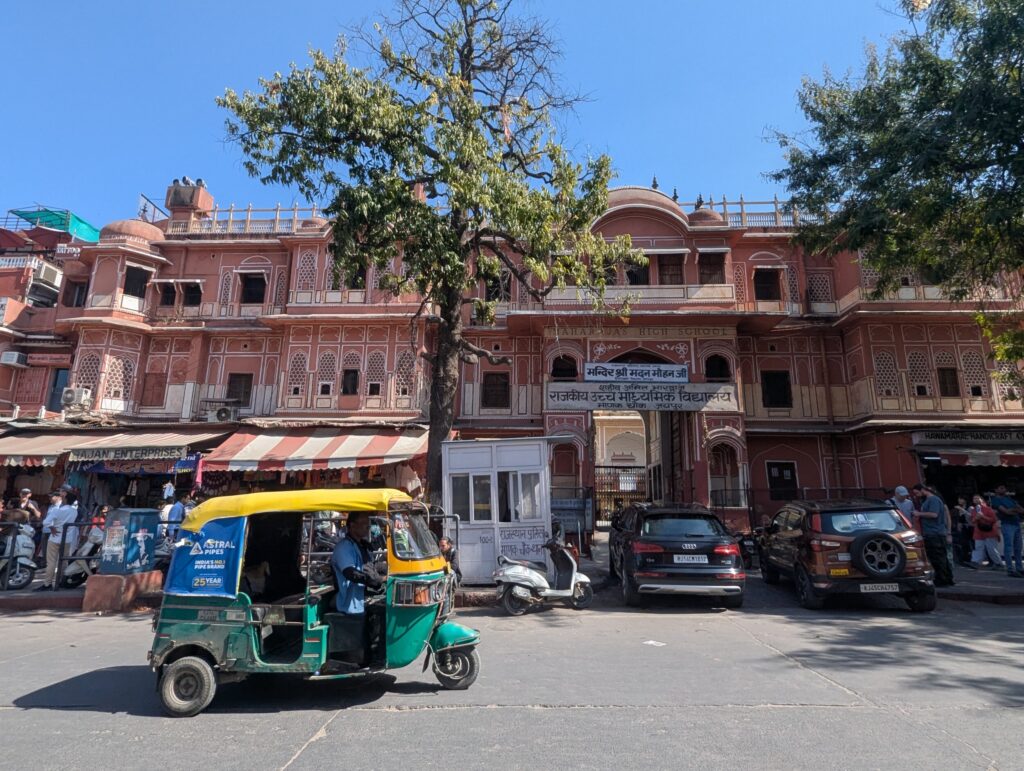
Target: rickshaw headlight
[416,593]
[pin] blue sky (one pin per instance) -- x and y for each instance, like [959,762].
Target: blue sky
[106,100]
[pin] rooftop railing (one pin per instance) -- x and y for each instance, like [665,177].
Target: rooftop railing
[248,221]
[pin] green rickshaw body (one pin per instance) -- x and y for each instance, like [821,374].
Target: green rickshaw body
[209,620]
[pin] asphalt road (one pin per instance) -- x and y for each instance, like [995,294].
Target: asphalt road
[677,685]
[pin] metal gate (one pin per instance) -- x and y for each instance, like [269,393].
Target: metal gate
[618,486]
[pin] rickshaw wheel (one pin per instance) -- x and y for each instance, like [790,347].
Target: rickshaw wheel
[457,670]
[187,686]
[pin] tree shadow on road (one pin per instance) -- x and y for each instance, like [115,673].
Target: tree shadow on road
[131,690]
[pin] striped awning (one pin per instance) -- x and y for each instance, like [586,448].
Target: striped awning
[141,444]
[310,449]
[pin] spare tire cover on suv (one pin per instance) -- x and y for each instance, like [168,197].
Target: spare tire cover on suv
[878,554]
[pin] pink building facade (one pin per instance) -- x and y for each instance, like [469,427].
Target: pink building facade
[225,315]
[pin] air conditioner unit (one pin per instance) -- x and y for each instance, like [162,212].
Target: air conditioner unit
[49,274]
[76,397]
[224,414]
[14,359]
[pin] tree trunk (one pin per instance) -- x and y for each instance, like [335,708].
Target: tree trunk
[444,385]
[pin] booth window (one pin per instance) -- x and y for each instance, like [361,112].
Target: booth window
[717,370]
[775,389]
[767,286]
[349,382]
[564,368]
[712,268]
[254,288]
[240,388]
[494,394]
[192,295]
[168,294]
[949,382]
[471,497]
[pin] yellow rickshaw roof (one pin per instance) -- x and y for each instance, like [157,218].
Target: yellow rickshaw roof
[376,499]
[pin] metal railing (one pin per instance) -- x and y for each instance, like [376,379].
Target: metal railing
[247,221]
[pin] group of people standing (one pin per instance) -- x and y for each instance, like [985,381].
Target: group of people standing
[968,534]
[56,531]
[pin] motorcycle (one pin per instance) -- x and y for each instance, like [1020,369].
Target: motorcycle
[522,584]
[88,560]
[16,560]
[748,548]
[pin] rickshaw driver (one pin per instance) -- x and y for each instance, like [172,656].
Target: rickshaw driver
[352,567]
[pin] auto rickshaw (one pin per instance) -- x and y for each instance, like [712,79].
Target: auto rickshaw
[250,590]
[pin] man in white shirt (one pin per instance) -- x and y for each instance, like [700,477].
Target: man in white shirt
[57,516]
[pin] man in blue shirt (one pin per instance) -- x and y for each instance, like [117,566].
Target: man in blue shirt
[930,513]
[1009,511]
[352,567]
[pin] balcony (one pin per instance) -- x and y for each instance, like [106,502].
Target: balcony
[865,399]
[668,294]
[232,222]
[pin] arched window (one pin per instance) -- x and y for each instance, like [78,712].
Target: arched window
[297,374]
[564,368]
[120,376]
[225,288]
[375,373]
[326,373]
[887,379]
[88,372]
[974,372]
[405,372]
[717,369]
[306,274]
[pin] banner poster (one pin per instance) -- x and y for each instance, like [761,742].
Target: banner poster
[687,397]
[208,563]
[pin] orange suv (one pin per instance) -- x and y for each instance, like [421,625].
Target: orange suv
[846,547]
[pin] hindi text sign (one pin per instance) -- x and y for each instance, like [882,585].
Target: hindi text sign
[636,373]
[662,397]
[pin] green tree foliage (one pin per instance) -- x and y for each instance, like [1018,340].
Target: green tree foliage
[441,147]
[918,161]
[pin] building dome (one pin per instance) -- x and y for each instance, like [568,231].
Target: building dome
[313,222]
[706,217]
[132,229]
[621,197]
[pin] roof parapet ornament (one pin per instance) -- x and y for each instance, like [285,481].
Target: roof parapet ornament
[699,204]
[654,182]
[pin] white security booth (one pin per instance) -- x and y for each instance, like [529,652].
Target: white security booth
[500,490]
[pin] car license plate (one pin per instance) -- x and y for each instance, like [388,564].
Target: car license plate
[879,587]
[690,558]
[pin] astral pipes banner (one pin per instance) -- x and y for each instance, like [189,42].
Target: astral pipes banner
[208,563]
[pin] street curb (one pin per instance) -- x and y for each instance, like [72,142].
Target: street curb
[995,599]
[23,604]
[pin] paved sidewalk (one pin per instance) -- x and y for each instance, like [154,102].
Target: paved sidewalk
[984,585]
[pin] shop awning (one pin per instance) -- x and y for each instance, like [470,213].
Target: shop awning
[974,457]
[138,445]
[31,450]
[309,449]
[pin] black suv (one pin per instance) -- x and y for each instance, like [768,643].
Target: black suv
[846,547]
[675,549]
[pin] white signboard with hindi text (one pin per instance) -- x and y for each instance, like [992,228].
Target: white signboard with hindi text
[636,373]
[662,397]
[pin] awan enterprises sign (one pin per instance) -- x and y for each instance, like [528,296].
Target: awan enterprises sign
[663,397]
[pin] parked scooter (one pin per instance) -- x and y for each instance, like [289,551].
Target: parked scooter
[76,573]
[522,584]
[16,561]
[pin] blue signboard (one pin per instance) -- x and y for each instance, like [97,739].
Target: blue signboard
[129,541]
[208,563]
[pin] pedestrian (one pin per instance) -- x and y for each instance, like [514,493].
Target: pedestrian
[932,517]
[901,501]
[1008,511]
[963,530]
[25,502]
[451,555]
[57,525]
[177,513]
[986,534]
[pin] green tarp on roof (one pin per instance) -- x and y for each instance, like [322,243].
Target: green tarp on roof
[60,219]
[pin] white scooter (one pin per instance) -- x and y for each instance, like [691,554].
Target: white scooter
[76,573]
[16,558]
[522,584]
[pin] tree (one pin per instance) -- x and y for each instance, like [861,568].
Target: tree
[443,146]
[918,161]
